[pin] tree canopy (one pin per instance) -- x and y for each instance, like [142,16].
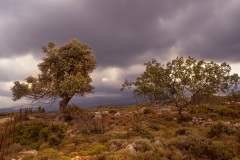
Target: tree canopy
[182,81]
[64,73]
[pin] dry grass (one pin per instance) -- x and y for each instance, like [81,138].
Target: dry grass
[154,131]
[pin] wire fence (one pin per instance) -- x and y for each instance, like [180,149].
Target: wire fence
[8,132]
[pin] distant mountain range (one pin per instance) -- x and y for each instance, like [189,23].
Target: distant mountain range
[84,103]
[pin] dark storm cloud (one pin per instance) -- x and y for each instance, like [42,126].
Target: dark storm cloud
[120,31]
[114,29]
[209,30]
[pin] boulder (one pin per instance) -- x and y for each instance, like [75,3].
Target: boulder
[118,114]
[105,112]
[142,110]
[131,149]
[97,117]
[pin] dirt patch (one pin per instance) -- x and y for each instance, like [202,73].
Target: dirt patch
[2,120]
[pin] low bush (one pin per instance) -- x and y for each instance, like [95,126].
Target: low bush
[141,132]
[148,111]
[32,134]
[182,132]
[92,149]
[200,147]
[227,112]
[52,134]
[154,126]
[28,134]
[51,154]
[218,129]
[143,145]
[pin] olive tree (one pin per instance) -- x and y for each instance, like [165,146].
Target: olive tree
[182,81]
[64,73]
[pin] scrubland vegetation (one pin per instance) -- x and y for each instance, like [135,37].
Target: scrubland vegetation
[143,132]
[184,118]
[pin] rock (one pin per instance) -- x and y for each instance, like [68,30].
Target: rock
[227,123]
[142,110]
[157,142]
[81,158]
[105,113]
[97,113]
[32,117]
[237,125]
[29,152]
[97,117]
[227,103]
[118,114]
[195,120]
[131,149]
[210,120]
[69,131]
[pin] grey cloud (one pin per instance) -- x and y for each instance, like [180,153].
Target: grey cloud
[114,29]
[119,31]
[5,93]
[122,32]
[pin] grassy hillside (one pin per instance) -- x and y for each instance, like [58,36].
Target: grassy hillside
[141,132]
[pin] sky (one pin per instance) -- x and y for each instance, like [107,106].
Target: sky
[123,34]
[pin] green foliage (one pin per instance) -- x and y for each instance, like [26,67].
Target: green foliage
[148,111]
[182,131]
[92,149]
[201,108]
[53,134]
[182,81]
[28,134]
[41,109]
[234,96]
[143,145]
[72,111]
[32,134]
[218,129]
[140,132]
[154,127]
[227,112]
[29,156]
[64,72]
[52,154]
[199,147]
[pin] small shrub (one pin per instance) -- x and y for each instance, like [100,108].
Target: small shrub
[73,111]
[29,156]
[201,108]
[218,129]
[52,134]
[33,134]
[113,111]
[28,133]
[51,154]
[199,147]
[148,111]
[154,127]
[227,112]
[181,132]
[143,145]
[92,149]
[238,135]
[73,154]
[41,109]
[44,146]
[71,147]
[141,132]
[116,144]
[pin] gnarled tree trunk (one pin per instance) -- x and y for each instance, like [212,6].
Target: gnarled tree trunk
[63,104]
